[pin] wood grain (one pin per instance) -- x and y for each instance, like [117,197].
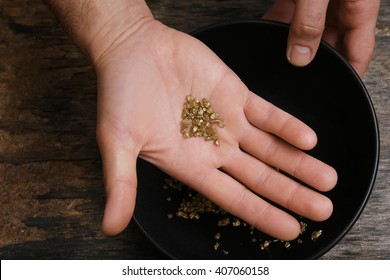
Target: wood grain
[52,198]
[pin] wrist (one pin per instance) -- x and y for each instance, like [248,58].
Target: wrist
[97,25]
[120,24]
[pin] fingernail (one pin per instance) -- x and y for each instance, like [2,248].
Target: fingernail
[299,55]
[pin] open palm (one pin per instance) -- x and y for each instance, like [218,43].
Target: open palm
[142,86]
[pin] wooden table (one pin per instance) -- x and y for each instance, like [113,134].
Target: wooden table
[52,198]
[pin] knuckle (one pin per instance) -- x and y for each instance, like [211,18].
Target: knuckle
[237,202]
[308,31]
[297,167]
[270,151]
[261,216]
[262,179]
[290,199]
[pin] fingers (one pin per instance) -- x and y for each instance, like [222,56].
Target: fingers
[264,150]
[232,196]
[356,44]
[359,39]
[120,180]
[280,154]
[270,118]
[352,30]
[277,187]
[306,30]
[359,48]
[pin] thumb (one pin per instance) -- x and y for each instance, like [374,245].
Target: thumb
[120,180]
[306,29]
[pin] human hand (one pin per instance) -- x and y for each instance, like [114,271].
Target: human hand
[143,80]
[349,26]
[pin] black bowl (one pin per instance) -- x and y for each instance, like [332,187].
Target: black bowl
[327,95]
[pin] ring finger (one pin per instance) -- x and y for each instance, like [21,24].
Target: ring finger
[267,182]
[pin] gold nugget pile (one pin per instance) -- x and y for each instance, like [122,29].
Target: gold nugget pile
[192,206]
[199,119]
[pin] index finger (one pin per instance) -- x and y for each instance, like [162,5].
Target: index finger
[267,117]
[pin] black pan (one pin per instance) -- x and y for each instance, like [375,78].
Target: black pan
[327,95]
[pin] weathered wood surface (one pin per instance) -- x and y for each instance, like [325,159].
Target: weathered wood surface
[51,194]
